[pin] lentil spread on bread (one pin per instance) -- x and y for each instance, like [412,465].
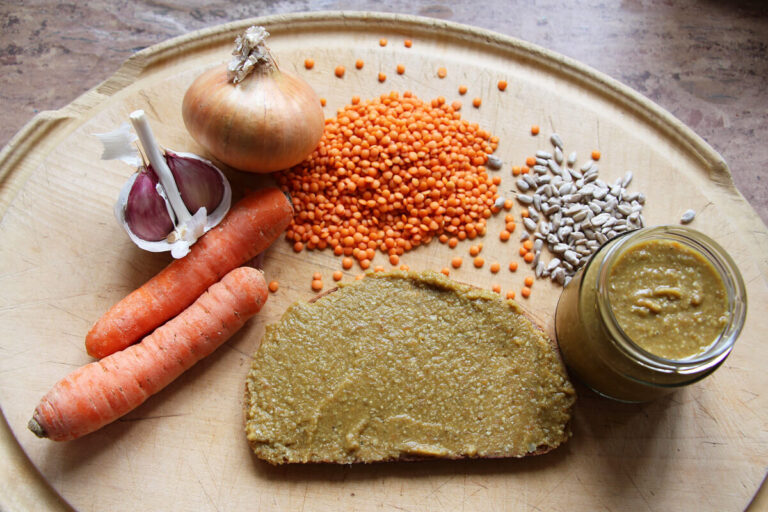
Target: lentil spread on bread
[405,366]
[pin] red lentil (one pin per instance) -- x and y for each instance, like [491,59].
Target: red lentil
[391,174]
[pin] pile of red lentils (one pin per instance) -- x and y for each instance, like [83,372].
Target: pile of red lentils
[390,174]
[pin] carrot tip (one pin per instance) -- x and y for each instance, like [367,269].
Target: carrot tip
[36,428]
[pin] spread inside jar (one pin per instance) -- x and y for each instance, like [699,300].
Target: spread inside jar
[668,299]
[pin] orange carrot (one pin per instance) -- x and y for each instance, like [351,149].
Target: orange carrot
[249,228]
[102,391]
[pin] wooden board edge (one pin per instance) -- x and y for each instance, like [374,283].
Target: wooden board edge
[22,487]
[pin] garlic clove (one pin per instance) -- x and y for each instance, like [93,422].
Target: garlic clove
[199,183]
[146,212]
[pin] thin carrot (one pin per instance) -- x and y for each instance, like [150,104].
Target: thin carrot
[250,227]
[102,391]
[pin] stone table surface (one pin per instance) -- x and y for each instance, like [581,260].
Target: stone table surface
[705,61]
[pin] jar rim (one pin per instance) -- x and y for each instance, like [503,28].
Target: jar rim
[721,262]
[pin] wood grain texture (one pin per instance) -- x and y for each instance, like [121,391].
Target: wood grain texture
[62,263]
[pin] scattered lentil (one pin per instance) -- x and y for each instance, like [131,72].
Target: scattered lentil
[525,292]
[359,277]
[456,262]
[512,266]
[442,72]
[479,262]
[510,295]
[528,281]
[477,102]
[474,250]
[595,155]
[453,242]
[408,43]
[504,235]
[338,275]
[382,77]
[462,90]
[400,69]
[273,286]
[323,102]
[382,42]
[446,271]
[317,285]
[495,267]
[405,268]
[502,85]
[359,63]
[534,130]
[309,63]
[496,288]
[394,259]
[378,268]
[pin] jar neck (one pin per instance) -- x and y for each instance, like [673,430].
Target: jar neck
[720,348]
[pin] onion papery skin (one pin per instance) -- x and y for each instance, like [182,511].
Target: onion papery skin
[268,122]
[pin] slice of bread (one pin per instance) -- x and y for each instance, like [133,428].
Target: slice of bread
[405,366]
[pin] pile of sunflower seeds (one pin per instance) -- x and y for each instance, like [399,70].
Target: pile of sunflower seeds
[573,211]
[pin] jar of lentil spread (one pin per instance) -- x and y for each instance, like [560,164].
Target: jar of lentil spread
[653,310]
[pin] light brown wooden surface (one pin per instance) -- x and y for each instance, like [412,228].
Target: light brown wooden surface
[64,260]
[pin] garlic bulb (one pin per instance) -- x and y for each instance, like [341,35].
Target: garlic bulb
[156,205]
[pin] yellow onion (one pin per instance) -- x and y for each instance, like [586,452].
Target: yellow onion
[249,114]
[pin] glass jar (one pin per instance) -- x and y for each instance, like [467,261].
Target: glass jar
[598,351]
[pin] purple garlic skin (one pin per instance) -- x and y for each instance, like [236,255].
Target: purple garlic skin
[199,184]
[145,211]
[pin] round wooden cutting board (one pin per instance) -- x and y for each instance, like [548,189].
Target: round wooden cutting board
[64,260]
